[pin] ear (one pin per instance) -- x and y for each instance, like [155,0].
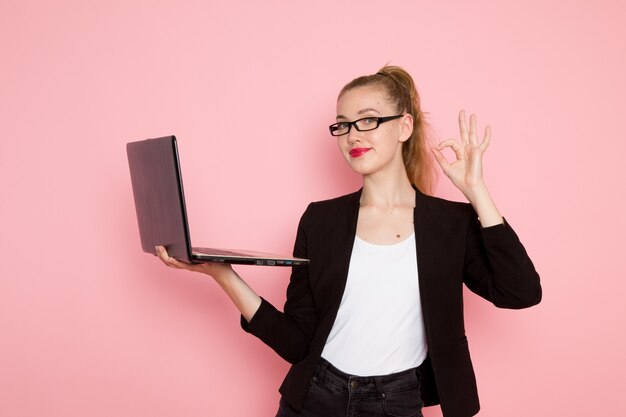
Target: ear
[406,127]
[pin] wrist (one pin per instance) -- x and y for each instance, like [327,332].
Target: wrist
[221,273]
[476,193]
[485,208]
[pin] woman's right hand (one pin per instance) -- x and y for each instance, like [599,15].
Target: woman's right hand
[215,269]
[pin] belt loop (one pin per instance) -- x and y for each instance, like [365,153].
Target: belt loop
[418,374]
[324,365]
[379,387]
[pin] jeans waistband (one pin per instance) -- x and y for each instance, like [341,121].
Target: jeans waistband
[380,384]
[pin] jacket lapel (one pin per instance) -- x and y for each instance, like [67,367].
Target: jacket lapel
[349,234]
[331,276]
[422,219]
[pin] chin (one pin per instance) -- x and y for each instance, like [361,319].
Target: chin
[362,169]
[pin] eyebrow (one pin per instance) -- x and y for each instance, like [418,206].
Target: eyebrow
[368,109]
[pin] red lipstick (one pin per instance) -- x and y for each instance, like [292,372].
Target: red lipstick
[356,152]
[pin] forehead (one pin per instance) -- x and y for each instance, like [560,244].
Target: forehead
[353,101]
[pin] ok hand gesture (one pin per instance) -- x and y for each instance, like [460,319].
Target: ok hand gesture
[466,172]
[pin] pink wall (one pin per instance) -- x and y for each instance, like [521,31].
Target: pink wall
[90,326]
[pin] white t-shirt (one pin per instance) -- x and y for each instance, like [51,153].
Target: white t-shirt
[379,328]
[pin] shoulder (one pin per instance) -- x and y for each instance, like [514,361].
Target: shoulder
[332,210]
[444,216]
[343,201]
[446,208]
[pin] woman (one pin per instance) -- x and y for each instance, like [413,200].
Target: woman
[374,324]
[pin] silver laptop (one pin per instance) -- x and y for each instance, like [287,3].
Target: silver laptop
[161,214]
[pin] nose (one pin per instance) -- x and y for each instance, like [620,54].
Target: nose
[352,136]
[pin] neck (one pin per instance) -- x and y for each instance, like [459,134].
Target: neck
[388,189]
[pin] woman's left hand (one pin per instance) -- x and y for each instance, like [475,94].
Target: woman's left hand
[466,173]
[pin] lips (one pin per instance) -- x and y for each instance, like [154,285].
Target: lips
[357,152]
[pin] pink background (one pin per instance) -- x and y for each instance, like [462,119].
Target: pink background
[90,326]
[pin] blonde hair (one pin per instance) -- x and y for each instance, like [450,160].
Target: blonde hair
[416,153]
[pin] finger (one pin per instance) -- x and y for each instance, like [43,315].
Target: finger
[175,263]
[454,145]
[161,253]
[166,258]
[441,160]
[472,132]
[463,126]
[486,139]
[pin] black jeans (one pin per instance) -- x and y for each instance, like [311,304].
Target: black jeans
[333,393]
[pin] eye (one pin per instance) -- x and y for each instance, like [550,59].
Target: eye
[341,126]
[369,121]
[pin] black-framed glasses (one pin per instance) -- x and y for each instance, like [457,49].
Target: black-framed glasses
[362,125]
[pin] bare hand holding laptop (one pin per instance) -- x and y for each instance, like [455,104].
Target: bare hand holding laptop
[214,269]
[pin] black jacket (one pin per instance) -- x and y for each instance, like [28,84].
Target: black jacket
[452,249]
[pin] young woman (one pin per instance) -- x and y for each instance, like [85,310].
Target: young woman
[373,326]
